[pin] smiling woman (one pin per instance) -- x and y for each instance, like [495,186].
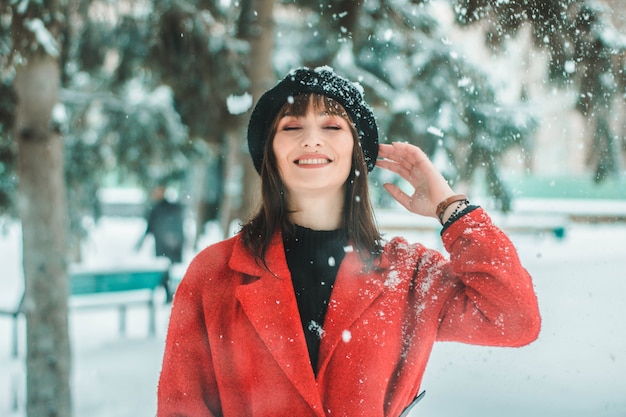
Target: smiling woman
[307,311]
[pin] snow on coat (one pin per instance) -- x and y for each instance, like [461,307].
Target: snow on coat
[235,345]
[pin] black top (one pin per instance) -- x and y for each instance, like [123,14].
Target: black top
[313,258]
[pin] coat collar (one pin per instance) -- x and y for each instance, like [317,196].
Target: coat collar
[270,304]
[354,291]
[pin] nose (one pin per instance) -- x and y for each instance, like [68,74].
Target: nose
[311,139]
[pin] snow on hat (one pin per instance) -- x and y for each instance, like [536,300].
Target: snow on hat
[321,80]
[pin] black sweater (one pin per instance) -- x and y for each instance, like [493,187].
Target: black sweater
[313,258]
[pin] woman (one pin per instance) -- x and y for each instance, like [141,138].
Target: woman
[307,311]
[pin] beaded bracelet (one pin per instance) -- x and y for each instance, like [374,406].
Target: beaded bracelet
[441,207]
[459,208]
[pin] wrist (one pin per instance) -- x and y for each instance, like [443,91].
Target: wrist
[453,210]
[450,207]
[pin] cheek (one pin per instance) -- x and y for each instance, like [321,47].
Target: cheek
[347,150]
[276,147]
[279,153]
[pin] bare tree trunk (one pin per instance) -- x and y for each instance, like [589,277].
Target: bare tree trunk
[256,26]
[42,207]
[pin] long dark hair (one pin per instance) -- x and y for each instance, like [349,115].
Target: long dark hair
[358,215]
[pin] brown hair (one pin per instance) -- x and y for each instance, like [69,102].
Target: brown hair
[358,215]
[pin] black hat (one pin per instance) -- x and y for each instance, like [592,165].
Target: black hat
[321,80]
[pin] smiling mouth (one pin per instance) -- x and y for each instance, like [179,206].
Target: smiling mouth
[313,161]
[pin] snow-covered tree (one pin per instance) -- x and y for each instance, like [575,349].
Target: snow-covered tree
[145,83]
[587,53]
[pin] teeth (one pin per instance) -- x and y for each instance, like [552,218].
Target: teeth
[312,161]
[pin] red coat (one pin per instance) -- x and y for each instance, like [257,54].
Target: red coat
[235,345]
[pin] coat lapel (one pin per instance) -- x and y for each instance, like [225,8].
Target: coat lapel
[270,305]
[354,291]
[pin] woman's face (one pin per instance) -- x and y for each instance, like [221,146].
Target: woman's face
[313,152]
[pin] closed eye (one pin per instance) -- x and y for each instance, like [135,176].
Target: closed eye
[289,123]
[333,122]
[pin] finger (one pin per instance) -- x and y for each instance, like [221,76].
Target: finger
[399,195]
[394,167]
[411,154]
[405,154]
[405,170]
[384,150]
[391,152]
[394,154]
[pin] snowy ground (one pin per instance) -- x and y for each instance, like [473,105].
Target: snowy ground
[576,368]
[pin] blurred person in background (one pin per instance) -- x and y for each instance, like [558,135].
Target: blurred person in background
[164,222]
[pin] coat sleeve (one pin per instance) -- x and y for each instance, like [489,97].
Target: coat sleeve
[491,299]
[187,384]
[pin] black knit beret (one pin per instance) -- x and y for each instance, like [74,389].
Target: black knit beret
[321,80]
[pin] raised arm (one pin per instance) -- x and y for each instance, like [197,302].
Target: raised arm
[491,299]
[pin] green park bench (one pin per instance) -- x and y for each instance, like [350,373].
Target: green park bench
[102,288]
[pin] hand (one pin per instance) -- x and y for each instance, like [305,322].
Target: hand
[412,164]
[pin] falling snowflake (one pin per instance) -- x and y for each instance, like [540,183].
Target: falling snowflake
[346,336]
[316,328]
[239,104]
